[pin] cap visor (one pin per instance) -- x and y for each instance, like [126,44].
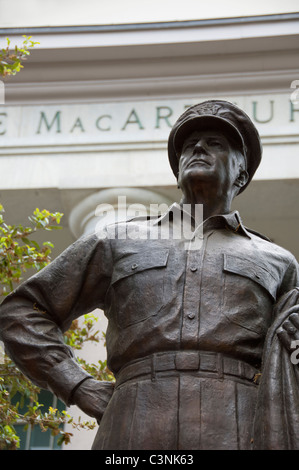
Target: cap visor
[206,123]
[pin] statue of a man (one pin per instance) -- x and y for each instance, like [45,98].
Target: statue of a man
[187,327]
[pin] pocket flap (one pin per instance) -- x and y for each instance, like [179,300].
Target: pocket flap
[139,262]
[255,272]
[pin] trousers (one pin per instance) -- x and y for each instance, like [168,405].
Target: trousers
[172,403]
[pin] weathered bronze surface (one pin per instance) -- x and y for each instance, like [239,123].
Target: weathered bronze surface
[199,335]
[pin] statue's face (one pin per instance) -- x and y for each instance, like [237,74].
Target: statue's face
[208,156]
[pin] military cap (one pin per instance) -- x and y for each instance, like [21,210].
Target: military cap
[221,115]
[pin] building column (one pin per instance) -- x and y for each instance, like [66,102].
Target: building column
[112,205]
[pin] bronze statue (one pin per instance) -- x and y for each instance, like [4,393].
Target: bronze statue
[199,340]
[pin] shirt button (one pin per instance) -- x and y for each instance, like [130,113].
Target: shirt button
[191,316]
[134,266]
[193,269]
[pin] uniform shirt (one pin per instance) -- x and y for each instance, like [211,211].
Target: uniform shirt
[159,292]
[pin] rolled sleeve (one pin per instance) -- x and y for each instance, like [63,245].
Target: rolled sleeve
[64,378]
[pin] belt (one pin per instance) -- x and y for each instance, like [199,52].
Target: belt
[214,364]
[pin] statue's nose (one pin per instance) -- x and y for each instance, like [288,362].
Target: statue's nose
[201,145]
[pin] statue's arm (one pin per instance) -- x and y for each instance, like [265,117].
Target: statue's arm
[34,317]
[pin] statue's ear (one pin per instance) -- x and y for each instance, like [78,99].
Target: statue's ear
[242,179]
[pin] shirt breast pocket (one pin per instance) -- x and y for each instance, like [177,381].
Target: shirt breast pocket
[138,286]
[248,293]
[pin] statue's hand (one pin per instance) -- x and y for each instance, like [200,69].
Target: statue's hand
[92,397]
[288,332]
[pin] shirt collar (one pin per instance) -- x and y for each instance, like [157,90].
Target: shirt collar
[231,221]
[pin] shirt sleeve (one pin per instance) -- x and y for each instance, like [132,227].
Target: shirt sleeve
[291,277]
[34,317]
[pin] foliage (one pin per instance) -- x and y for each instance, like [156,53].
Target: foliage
[20,253]
[78,335]
[11,60]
